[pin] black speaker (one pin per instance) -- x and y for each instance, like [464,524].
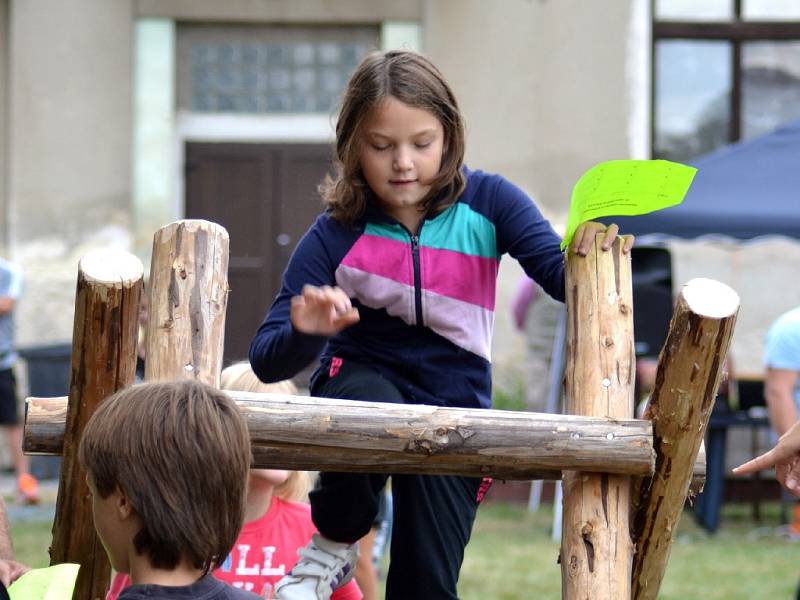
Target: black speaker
[651,273]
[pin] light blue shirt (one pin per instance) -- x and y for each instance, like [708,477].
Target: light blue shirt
[11,286]
[782,348]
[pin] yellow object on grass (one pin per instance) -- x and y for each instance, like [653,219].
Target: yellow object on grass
[625,188]
[51,583]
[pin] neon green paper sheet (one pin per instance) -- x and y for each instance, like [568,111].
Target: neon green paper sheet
[51,583]
[626,187]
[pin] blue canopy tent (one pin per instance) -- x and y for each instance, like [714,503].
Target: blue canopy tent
[744,190]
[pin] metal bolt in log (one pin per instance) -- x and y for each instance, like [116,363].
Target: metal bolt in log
[687,380]
[103,361]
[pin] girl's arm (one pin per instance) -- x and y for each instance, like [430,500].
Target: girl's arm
[524,233]
[307,310]
[527,236]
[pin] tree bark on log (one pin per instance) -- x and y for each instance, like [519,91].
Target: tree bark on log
[103,361]
[687,379]
[596,549]
[299,432]
[188,298]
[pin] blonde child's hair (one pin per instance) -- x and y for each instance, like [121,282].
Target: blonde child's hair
[241,378]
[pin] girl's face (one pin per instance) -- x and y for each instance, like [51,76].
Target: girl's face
[401,153]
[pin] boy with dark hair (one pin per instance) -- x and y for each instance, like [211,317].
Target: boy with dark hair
[167,467]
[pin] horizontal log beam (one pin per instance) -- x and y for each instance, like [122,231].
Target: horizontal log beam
[299,432]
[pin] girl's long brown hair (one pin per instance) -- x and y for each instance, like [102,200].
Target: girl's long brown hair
[414,80]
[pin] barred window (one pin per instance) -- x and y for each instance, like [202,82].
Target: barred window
[251,69]
[723,71]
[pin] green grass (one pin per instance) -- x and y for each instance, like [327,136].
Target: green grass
[511,556]
[32,542]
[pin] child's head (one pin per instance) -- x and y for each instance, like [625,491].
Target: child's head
[413,80]
[167,463]
[290,485]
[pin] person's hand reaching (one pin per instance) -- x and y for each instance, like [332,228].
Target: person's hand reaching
[11,570]
[785,457]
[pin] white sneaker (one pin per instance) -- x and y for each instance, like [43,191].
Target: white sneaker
[324,566]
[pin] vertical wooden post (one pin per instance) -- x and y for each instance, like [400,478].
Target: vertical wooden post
[687,379]
[188,298]
[596,549]
[103,361]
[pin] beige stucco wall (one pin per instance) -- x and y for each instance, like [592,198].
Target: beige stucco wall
[764,274]
[548,89]
[3,117]
[280,11]
[543,102]
[70,138]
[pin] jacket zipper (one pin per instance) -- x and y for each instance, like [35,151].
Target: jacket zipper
[417,279]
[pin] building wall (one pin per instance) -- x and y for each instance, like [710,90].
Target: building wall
[281,11]
[543,101]
[70,136]
[548,89]
[3,119]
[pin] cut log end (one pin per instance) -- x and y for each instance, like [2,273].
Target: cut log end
[710,298]
[195,225]
[109,266]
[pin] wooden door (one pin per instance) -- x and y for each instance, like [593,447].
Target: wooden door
[265,195]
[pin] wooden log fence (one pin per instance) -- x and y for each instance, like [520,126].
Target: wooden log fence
[596,549]
[687,380]
[599,449]
[296,432]
[188,297]
[103,361]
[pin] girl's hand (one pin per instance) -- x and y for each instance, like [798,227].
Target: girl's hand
[322,310]
[584,236]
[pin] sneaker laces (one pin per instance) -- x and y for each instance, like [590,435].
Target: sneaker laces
[314,556]
[334,564]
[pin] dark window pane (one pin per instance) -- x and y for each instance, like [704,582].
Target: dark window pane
[278,54]
[770,85]
[304,80]
[250,55]
[303,54]
[226,102]
[203,102]
[204,53]
[228,55]
[692,97]
[228,79]
[280,79]
[328,54]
